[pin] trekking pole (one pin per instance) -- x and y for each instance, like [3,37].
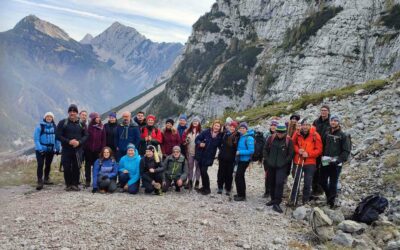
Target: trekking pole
[298,183]
[79,162]
[235,167]
[289,202]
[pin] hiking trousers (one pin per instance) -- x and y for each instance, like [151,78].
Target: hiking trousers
[276,180]
[71,167]
[224,176]
[123,180]
[240,178]
[44,159]
[329,180]
[308,172]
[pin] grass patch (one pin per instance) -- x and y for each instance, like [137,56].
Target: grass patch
[391,18]
[164,107]
[309,27]
[254,115]
[298,245]
[391,161]
[18,172]
[392,179]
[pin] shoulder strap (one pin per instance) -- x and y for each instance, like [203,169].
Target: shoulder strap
[271,138]
[65,124]
[41,129]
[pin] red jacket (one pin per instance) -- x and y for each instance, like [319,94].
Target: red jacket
[155,134]
[312,145]
[170,139]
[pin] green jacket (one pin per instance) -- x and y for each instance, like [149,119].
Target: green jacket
[175,168]
[336,144]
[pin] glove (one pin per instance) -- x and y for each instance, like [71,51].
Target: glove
[94,190]
[57,152]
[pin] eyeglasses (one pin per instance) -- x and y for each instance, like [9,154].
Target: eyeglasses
[176,152]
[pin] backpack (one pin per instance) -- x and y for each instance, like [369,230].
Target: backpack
[321,224]
[369,208]
[259,142]
[351,144]
[42,132]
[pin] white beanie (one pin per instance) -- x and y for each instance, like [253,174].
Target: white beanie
[48,114]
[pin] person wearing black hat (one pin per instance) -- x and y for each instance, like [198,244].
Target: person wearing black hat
[72,135]
[279,153]
[292,126]
[170,138]
[151,170]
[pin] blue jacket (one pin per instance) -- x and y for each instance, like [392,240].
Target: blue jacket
[127,134]
[205,156]
[107,168]
[46,141]
[246,146]
[132,164]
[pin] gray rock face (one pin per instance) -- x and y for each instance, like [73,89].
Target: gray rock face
[300,213]
[343,239]
[350,226]
[350,47]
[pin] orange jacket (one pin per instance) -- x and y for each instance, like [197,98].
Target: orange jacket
[312,145]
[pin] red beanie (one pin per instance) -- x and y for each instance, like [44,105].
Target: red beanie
[151,117]
[234,124]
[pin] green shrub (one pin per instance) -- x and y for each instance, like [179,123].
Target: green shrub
[164,107]
[309,27]
[391,19]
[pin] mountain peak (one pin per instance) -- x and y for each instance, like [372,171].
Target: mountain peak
[86,39]
[47,28]
[118,27]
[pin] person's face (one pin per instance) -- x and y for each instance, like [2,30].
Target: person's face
[195,123]
[324,112]
[73,115]
[298,126]
[280,134]
[305,127]
[83,116]
[48,118]
[168,125]
[272,128]
[140,116]
[232,129]
[131,152]
[97,120]
[176,153]
[150,122]
[242,130]
[126,117]
[112,119]
[334,124]
[182,122]
[106,153]
[294,121]
[216,127]
[149,153]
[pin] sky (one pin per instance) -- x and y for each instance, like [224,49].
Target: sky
[158,20]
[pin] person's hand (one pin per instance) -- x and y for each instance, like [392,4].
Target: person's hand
[305,154]
[125,171]
[237,153]
[301,151]
[151,170]
[150,138]
[153,182]
[164,183]
[179,183]
[202,144]
[94,190]
[126,187]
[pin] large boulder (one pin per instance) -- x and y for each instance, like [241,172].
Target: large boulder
[350,226]
[343,239]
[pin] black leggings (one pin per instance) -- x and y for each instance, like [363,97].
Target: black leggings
[239,178]
[44,158]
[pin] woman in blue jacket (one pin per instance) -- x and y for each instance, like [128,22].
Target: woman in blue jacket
[244,151]
[206,148]
[129,170]
[105,171]
[46,146]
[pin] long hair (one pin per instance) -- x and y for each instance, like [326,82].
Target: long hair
[217,122]
[101,155]
[292,127]
[191,127]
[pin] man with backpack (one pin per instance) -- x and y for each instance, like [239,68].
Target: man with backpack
[278,153]
[336,151]
[176,170]
[272,130]
[72,135]
[127,132]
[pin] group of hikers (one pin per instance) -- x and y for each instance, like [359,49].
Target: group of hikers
[135,154]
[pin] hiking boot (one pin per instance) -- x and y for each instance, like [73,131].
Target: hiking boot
[228,193]
[68,188]
[120,190]
[39,185]
[239,198]
[266,195]
[205,191]
[196,185]
[87,184]
[75,188]
[219,191]
[277,208]
[270,203]
[157,185]
[177,189]
[189,184]
[158,192]
[47,181]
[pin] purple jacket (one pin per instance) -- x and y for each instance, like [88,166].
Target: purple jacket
[97,138]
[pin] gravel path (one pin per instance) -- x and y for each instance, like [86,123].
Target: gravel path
[55,219]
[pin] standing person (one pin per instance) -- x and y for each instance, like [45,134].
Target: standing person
[95,143]
[111,131]
[150,135]
[226,158]
[279,152]
[176,170]
[292,126]
[244,151]
[189,137]
[182,127]
[206,148]
[308,147]
[170,138]
[127,132]
[336,152]
[151,170]
[140,120]
[105,171]
[83,117]
[129,170]
[46,146]
[322,126]
[272,130]
[72,135]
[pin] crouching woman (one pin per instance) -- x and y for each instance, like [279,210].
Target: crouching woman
[129,170]
[105,171]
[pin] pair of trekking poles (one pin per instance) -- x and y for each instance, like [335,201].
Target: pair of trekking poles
[293,198]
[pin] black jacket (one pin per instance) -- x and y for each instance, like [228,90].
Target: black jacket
[141,125]
[228,147]
[72,130]
[111,133]
[336,144]
[322,126]
[146,164]
[277,154]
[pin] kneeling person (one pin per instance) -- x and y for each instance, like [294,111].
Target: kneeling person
[176,170]
[151,170]
[105,171]
[129,170]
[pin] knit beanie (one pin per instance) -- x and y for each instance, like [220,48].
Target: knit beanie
[151,117]
[73,107]
[335,117]
[281,128]
[170,121]
[48,114]
[244,125]
[176,148]
[112,114]
[183,117]
[94,115]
